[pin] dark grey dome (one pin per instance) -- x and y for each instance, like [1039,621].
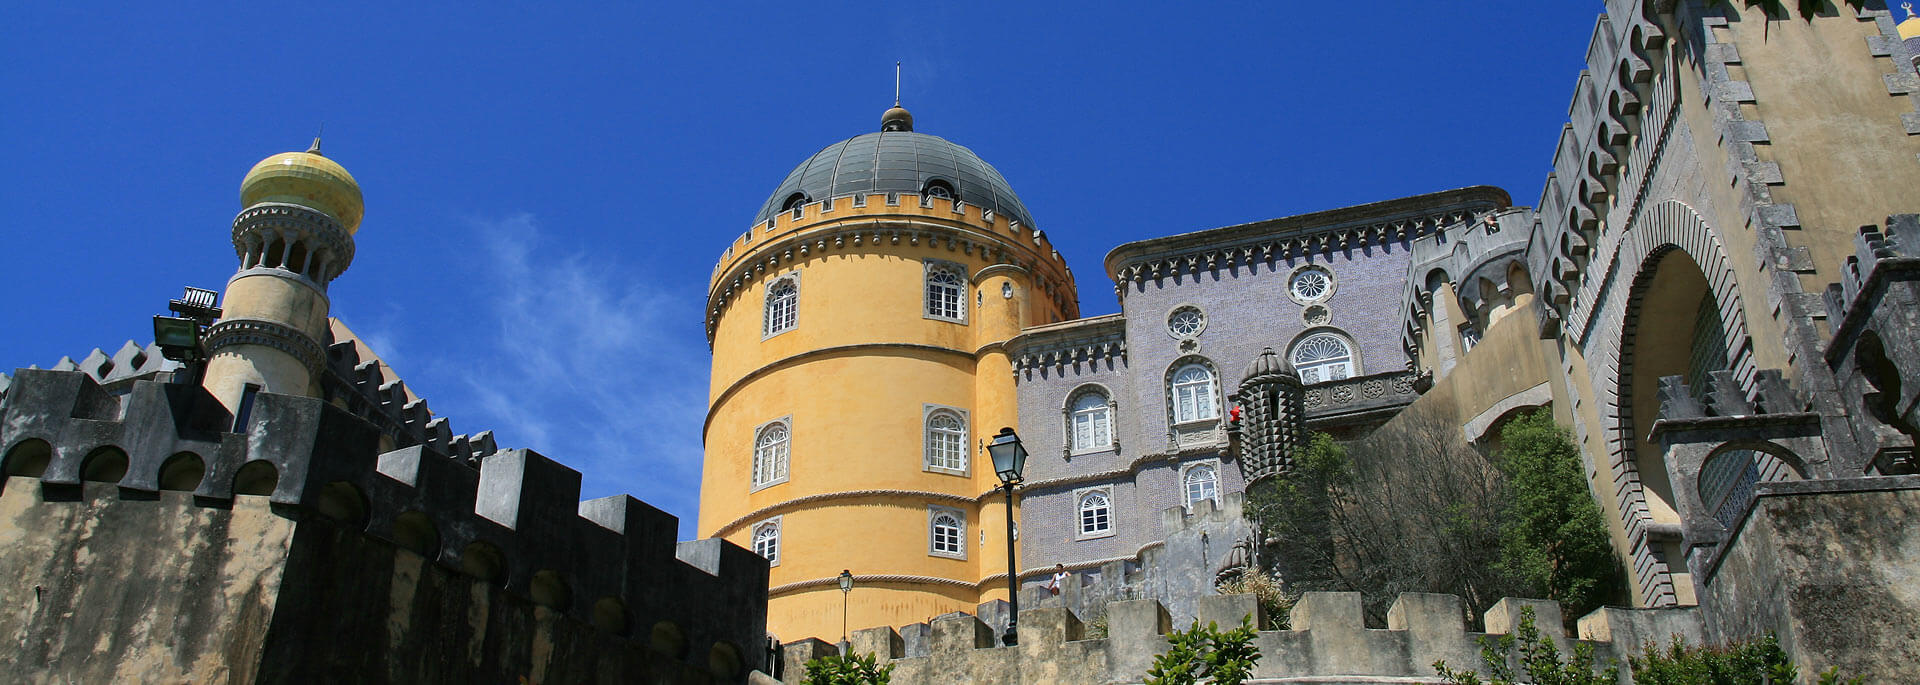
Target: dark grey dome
[1267,363]
[897,162]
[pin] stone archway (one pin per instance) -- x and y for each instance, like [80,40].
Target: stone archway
[1680,276]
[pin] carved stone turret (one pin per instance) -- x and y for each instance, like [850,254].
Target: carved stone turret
[1272,420]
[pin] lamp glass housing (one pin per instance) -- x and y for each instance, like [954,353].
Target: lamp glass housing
[1009,456]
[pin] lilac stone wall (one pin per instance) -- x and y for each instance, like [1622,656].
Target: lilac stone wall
[1247,308]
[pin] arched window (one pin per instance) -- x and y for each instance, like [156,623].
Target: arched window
[947,533]
[1202,483]
[946,441]
[1096,514]
[770,455]
[766,541]
[946,292]
[938,188]
[1324,357]
[1090,421]
[1192,394]
[783,306]
[794,201]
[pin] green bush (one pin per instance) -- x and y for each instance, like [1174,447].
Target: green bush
[1206,653]
[835,669]
[1749,663]
[1537,657]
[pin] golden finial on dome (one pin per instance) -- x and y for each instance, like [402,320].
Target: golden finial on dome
[307,179]
[1910,28]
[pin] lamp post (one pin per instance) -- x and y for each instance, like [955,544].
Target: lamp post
[1009,460]
[846,588]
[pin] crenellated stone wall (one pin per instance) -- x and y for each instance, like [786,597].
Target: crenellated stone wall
[294,546]
[1328,643]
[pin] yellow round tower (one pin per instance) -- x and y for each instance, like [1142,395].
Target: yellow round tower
[294,234]
[858,374]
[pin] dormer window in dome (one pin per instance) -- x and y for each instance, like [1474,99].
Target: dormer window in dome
[794,202]
[938,188]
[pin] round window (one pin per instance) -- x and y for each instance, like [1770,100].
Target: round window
[1186,322]
[1310,284]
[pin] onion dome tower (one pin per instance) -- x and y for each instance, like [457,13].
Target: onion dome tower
[1273,422]
[857,329]
[293,235]
[1910,33]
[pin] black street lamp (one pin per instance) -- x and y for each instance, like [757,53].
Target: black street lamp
[846,588]
[1009,461]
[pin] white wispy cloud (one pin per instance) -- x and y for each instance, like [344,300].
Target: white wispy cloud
[588,362]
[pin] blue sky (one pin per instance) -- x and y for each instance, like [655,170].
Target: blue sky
[548,185]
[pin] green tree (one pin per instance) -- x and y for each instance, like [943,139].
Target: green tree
[1409,508]
[1553,539]
[1205,653]
[834,669]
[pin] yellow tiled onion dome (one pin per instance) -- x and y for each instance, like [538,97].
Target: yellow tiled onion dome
[1910,28]
[307,179]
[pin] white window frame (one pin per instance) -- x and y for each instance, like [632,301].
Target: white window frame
[1080,531]
[1186,491]
[1311,374]
[753,539]
[1199,327]
[928,412]
[1210,390]
[956,290]
[774,321]
[1074,412]
[959,551]
[778,472]
[1327,294]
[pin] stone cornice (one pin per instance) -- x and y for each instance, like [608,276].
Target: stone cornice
[1389,220]
[270,334]
[1087,339]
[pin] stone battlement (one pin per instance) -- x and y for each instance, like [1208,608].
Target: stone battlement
[515,521]
[1328,640]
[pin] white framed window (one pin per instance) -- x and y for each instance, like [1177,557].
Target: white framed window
[1090,422]
[766,540]
[1309,284]
[771,445]
[1191,390]
[946,291]
[1200,481]
[1324,357]
[946,532]
[783,306]
[1186,322]
[946,440]
[1095,508]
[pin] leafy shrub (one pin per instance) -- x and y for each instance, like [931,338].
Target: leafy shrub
[1273,599]
[1539,660]
[1756,662]
[835,669]
[1206,653]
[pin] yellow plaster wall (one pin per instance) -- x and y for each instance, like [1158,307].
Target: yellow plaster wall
[1834,129]
[855,375]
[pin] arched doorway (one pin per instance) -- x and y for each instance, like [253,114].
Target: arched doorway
[1678,333]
